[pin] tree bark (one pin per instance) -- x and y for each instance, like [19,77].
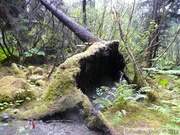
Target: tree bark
[152,38]
[84,13]
[82,33]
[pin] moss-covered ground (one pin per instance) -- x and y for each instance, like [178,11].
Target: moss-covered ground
[161,116]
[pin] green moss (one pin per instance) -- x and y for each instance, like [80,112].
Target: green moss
[14,92]
[17,72]
[13,88]
[61,84]
[87,106]
[137,116]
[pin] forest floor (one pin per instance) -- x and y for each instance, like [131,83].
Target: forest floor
[128,112]
[16,127]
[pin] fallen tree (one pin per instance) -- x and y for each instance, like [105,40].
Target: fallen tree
[82,33]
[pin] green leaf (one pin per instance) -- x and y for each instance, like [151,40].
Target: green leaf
[28,98]
[19,101]
[123,112]
[33,50]
[1,108]
[41,53]
[27,54]
[163,82]
[104,101]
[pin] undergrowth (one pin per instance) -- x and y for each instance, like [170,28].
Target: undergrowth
[126,101]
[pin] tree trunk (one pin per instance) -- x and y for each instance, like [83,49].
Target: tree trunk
[82,33]
[84,13]
[152,38]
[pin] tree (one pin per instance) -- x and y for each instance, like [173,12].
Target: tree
[9,10]
[84,13]
[153,36]
[9,14]
[82,33]
[125,36]
[159,17]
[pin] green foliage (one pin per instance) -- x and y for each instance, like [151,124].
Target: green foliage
[173,127]
[118,118]
[153,26]
[21,97]
[121,96]
[23,94]
[124,91]
[100,91]
[142,90]
[169,108]
[120,102]
[2,55]
[160,109]
[34,52]
[4,105]
[164,63]
[103,101]
[162,80]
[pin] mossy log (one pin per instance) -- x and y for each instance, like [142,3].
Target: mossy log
[68,86]
[167,72]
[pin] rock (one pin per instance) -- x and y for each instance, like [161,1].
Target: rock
[39,83]
[17,72]
[15,68]
[34,78]
[13,89]
[4,117]
[39,71]
[30,69]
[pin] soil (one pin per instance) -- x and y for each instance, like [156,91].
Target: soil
[69,122]
[53,127]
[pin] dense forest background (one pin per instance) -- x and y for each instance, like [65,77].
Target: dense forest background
[148,30]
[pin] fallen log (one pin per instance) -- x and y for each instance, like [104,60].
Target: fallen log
[167,72]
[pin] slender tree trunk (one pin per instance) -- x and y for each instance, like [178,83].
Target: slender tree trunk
[138,76]
[84,13]
[82,33]
[152,37]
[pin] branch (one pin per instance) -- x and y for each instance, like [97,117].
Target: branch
[170,44]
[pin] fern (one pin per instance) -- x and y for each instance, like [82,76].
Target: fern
[103,101]
[117,118]
[164,110]
[176,119]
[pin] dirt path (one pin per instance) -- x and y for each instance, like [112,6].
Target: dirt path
[45,128]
